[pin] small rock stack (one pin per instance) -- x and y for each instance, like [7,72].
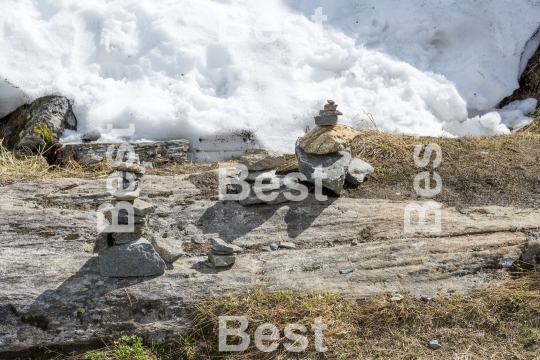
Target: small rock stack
[262,164]
[325,152]
[222,254]
[129,254]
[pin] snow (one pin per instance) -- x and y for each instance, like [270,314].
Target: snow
[203,68]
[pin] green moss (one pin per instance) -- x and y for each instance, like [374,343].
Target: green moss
[42,130]
[16,125]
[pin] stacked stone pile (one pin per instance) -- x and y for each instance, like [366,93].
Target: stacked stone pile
[129,254]
[222,254]
[325,152]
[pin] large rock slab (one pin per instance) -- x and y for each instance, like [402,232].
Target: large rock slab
[332,167]
[135,259]
[327,139]
[39,125]
[157,153]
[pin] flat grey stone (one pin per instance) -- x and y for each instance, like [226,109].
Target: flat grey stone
[326,120]
[274,246]
[92,135]
[253,175]
[135,259]
[122,238]
[123,217]
[287,245]
[221,260]
[128,196]
[260,159]
[142,208]
[223,247]
[358,170]
[333,167]
[434,345]
[169,249]
[130,168]
[331,107]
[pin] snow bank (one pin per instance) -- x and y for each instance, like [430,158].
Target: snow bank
[177,70]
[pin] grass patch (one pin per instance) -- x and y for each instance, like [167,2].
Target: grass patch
[497,323]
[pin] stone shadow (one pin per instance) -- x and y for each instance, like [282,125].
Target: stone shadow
[301,215]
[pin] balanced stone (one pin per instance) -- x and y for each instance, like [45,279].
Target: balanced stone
[331,168]
[222,246]
[330,107]
[326,120]
[92,135]
[358,170]
[135,259]
[130,167]
[127,196]
[123,217]
[142,208]
[327,139]
[260,159]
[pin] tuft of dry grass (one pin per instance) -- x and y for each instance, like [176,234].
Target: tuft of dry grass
[532,128]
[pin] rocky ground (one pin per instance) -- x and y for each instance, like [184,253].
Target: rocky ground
[52,295]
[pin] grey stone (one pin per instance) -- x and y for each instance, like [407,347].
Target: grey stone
[128,196]
[358,170]
[253,175]
[331,107]
[39,125]
[330,113]
[287,245]
[130,168]
[221,246]
[326,120]
[169,249]
[531,255]
[221,260]
[123,217]
[331,102]
[156,153]
[260,159]
[346,271]
[92,135]
[396,297]
[135,259]
[434,345]
[122,238]
[333,167]
[142,208]
[274,246]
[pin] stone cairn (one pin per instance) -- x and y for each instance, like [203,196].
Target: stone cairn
[222,254]
[129,254]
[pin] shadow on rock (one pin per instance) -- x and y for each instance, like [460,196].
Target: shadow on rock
[301,215]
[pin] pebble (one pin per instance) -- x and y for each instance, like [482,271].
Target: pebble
[396,297]
[513,229]
[346,271]
[425,298]
[434,345]
[221,247]
[274,246]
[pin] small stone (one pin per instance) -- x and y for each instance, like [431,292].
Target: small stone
[425,298]
[287,245]
[123,217]
[329,107]
[223,247]
[260,159]
[92,135]
[396,297]
[354,243]
[513,229]
[434,345]
[169,249]
[142,208]
[135,259]
[130,167]
[274,246]
[127,196]
[331,102]
[327,139]
[346,271]
[530,238]
[330,113]
[358,170]
[125,237]
[221,260]
[253,175]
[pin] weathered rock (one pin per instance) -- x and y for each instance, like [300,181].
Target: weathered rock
[396,298]
[127,195]
[130,168]
[434,345]
[93,135]
[331,167]
[221,260]
[327,139]
[142,208]
[330,107]
[358,170]
[125,237]
[531,255]
[123,217]
[253,175]
[135,259]
[38,125]
[155,153]
[222,246]
[287,245]
[274,246]
[279,185]
[169,249]
[326,120]
[260,159]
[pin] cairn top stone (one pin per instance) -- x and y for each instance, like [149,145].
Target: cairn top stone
[93,135]
[331,102]
[223,247]
[130,167]
[327,139]
[260,159]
